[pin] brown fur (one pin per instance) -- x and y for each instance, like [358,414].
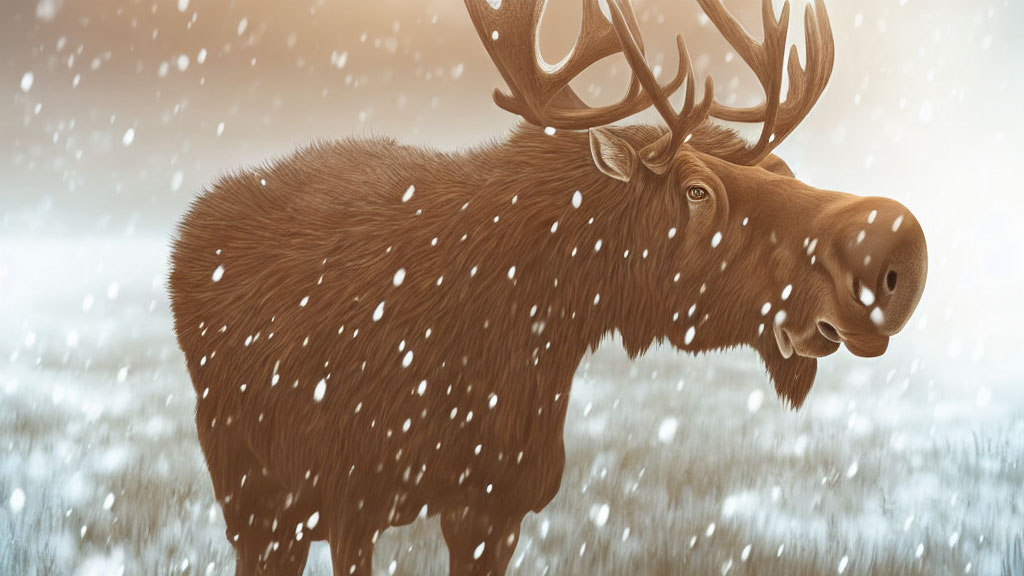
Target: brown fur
[329,223]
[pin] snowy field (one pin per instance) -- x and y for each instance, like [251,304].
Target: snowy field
[898,465]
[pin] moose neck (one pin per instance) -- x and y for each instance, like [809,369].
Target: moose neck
[575,237]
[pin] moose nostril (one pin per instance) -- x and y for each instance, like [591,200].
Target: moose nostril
[828,331]
[890,280]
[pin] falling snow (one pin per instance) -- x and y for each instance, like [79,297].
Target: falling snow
[754,401]
[177,179]
[877,316]
[867,297]
[852,470]
[599,514]
[17,500]
[116,123]
[667,430]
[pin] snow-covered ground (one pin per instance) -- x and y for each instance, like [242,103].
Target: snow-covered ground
[903,464]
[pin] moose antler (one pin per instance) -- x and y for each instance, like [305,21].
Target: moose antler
[541,93]
[658,155]
[765,59]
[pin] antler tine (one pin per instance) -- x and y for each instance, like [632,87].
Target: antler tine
[680,124]
[635,57]
[765,59]
[806,82]
[540,92]
[590,46]
[691,116]
[522,18]
[817,33]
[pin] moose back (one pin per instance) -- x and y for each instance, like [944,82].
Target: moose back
[375,330]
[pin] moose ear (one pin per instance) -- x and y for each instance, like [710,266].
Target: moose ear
[613,156]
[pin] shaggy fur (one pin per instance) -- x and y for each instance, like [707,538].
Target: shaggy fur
[374,329]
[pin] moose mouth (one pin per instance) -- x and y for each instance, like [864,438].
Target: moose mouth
[824,339]
[784,341]
[864,345]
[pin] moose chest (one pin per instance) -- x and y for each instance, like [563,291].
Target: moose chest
[461,432]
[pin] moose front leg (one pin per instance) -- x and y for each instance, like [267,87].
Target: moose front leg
[480,541]
[352,545]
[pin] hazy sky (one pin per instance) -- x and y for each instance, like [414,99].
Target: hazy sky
[916,83]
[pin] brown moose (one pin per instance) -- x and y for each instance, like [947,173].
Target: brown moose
[375,331]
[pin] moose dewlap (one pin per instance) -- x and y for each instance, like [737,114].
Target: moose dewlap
[376,330]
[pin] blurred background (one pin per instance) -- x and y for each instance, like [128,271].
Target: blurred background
[116,113]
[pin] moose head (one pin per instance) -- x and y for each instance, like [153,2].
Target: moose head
[795,271]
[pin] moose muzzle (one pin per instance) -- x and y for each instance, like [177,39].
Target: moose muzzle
[880,263]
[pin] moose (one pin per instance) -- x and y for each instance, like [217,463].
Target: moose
[378,332]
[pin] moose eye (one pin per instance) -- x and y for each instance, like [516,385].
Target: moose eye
[697,193]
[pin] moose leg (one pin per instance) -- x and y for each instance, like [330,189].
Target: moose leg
[351,548]
[262,532]
[479,541]
[257,509]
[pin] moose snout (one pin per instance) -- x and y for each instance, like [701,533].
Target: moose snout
[884,259]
